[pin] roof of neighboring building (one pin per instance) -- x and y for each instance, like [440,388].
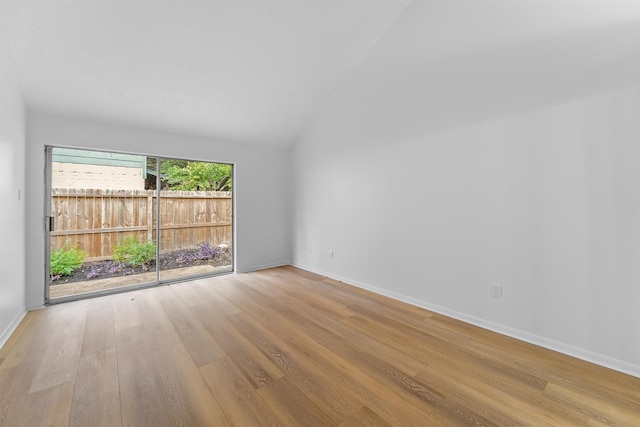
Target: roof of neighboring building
[88,157]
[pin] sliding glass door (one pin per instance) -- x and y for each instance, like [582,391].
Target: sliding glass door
[119,221]
[195,214]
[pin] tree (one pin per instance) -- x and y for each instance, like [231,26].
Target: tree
[196,176]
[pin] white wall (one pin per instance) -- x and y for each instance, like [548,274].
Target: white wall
[12,167]
[540,192]
[261,187]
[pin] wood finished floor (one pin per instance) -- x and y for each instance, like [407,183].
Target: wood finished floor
[286,347]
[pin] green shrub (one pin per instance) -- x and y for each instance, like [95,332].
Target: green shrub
[65,261]
[131,251]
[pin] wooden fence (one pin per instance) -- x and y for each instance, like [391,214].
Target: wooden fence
[96,220]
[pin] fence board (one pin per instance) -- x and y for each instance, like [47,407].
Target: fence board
[96,220]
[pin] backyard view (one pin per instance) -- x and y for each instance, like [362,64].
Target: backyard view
[105,220]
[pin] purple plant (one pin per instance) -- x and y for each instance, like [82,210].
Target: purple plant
[93,272]
[115,267]
[183,258]
[206,251]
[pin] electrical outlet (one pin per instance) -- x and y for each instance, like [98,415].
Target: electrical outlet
[331,253]
[496,290]
[309,249]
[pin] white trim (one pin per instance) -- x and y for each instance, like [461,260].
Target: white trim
[265,266]
[580,353]
[10,329]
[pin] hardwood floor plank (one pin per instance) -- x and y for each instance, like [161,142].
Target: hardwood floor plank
[256,367]
[97,376]
[291,405]
[15,336]
[142,398]
[198,342]
[488,379]
[287,304]
[415,325]
[398,340]
[343,292]
[420,394]
[190,400]
[431,348]
[48,407]
[99,331]
[125,310]
[264,283]
[216,298]
[352,382]
[547,365]
[358,384]
[33,338]
[236,396]
[188,292]
[314,384]
[607,411]
[261,306]
[365,417]
[288,347]
[467,395]
[156,323]
[59,363]
[14,386]
[419,391]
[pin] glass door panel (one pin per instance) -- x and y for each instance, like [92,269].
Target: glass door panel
[101,218]
[195,219]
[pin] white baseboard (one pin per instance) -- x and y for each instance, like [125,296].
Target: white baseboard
[11,327]
[577,352]
[264,266]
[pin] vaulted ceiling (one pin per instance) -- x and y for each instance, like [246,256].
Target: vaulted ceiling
[239,70]
[255,71]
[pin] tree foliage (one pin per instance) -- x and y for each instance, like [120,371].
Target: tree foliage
[196,176]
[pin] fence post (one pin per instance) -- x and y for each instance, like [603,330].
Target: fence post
[149,218]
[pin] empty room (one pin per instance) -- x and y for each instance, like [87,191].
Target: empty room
[320,213]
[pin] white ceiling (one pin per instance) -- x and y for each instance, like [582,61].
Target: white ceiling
[250,71]
[255,71]
[450,63]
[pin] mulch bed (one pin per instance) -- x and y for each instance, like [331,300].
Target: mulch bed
[170,260]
